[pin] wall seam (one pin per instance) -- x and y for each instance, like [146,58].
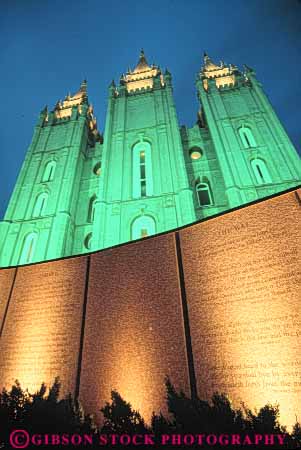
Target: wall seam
[82,332]
[188,342]
[8,302]
[298,196]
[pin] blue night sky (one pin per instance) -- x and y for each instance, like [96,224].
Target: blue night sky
[48,47]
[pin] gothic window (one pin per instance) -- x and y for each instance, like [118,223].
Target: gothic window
[49,171]
[143,226]
[261,172]
[142,170]
[40,205]
[88,241]
[91,209]
[28,248]
[247,137]
[204,195]
[97,169]
[142,173]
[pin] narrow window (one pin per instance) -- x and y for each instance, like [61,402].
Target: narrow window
[247,137]
[142,170]
[97,169]
[40,205]
[88,241]
[143,226]
[49,171]
[91,209]
[203,194]
[261,172]
[142,174]
[28,248]
[143,232]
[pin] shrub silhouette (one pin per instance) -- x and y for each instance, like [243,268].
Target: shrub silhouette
[41,412]
[119,417]
[45,413]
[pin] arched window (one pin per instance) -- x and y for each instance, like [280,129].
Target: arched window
[49,171]
[247,137]
[91,209]
[97,169]
[142,170]
[28,248]
[203,193]
[40,205]
[261,172]
[88,241]
[143,226]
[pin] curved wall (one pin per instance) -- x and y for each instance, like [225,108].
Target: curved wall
[215,306]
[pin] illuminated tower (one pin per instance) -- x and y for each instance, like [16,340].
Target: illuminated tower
[77,192]
[43,218]
[144,187]
[248,154]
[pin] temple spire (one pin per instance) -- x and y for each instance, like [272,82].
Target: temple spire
[207,59]
[142,77]
[142,57]
[83,86]
[142,63]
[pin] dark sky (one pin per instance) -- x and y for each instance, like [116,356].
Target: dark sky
[49,46]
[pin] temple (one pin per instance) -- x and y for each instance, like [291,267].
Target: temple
[80,190]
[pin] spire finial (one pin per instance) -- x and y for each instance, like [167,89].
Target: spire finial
[142,63]
[83,86]
[206,57]
[142,58]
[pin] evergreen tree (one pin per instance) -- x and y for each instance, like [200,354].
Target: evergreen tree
[119,417]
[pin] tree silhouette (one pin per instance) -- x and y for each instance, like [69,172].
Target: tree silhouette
[41,412]
[119,417]
[44,412]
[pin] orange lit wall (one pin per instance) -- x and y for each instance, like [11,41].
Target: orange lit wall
[6,283]
[243,284]
[134,333]
[41,334]
[115,319]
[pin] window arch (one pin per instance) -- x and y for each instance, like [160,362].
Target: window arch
[247,137]
[97,169]
[49,171]
[28,248]
[142,170]
[40,205]
[88,241]
[203,193]
[261,172]
[143,226]
[91,209]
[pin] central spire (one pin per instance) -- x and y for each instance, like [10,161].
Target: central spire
[142,63]
[142,77]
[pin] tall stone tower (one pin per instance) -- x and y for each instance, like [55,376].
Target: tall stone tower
[78,192]
[251,154]
[144,188]
[42,215]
